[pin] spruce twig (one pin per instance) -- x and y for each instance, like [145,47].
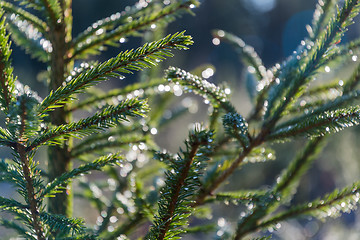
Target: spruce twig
[125,62]
[31,198]
[133,26]
[102,120]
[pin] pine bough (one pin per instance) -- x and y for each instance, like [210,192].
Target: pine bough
[144,183]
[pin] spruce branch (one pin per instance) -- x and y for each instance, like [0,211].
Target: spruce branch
[35,45]
[91,44]
[125,62]
[328,98]
[91,102]
[62,224]
[31,197]
[214,94]
[244,196]
[23,15]
[106,118]
[332,34]
[11,204]
[25,105]
[343,52]
[10,173]
[236,126]
[324,10]
[320,106]
[180,184]
[56,185]
[215,183]
[109,23]
[102,145]
[6,138]
[28,173]
[331,205]
[121,132]
[19,229]
[252,153]
[49,8]
[318,125]
[206,228]
[298,167]
[282,190]
[7,81]
[246,53]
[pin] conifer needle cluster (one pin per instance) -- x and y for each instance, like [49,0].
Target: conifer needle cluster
[145,191]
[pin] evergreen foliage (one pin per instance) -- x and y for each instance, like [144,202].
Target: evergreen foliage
[143,191]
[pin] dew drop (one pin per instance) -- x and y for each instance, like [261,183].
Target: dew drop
[221,33]
[113,219]
[221,222]
[216,41]
[278,225]
[302,103]
[153,131]
[209,72]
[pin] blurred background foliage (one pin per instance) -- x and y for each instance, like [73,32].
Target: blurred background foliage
[274,28]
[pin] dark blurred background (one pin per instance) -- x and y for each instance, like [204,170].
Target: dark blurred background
[274,28]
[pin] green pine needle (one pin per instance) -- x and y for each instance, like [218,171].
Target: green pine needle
[24,15]
[236,197]
[18,228]
[236,126]
[62,224]
[212,93]
[318,124]
[292,86]
[113,143]
[87,44]
[49,8]
[320,106]
[324,10]
[7,80]
[6,204]
[132,89]
[260,154]
[106,118]
[126,62]
[247,54]
[181,183]
[332,205]
[31,45]
[287,183]
[57,184]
